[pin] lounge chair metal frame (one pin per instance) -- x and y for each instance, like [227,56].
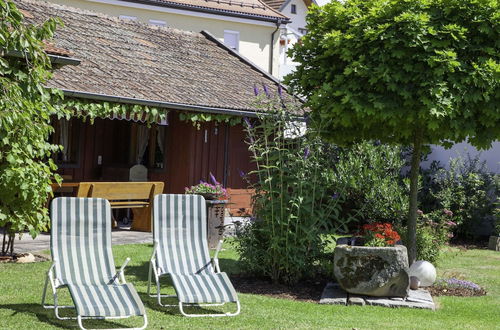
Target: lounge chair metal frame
[153,271]
[118,278]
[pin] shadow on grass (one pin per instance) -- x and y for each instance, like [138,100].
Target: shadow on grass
[173,309]
[47,316]
[140,272]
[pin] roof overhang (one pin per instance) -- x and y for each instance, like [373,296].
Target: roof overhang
[278,20]
[55,59]
[159,104]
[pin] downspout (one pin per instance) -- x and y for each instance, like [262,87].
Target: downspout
[278,23]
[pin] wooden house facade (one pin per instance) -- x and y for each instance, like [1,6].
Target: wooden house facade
[177,72]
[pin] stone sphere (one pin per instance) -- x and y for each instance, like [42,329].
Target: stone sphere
[424,271]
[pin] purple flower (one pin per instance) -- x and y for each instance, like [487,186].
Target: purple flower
[242,174]
[212,178]
[306,153]
[255,90]
[448,212]
[420,212]
[456,283]
[202,182]
[451,223]
[247,122]
[335,195]
[266,90]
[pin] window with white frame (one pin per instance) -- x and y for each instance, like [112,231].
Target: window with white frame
[131,18]
[232,39]
[157,22]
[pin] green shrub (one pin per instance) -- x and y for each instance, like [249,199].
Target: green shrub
[294,204]
[469,191]
[368,175]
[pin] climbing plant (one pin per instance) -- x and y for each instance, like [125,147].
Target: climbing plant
[91,109]
[196,118]
[26,169]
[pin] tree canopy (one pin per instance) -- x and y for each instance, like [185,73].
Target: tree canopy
[384,69]
[26,169]
[410,72]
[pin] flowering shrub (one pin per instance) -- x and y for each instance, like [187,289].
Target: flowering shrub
[434,231]
[379,234]
[204,188]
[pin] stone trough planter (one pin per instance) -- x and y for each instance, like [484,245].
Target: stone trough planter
[372,271]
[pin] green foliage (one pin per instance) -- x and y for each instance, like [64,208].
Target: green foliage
[368,175]
[469,190]
[196,118]
[84,108]
[434,231]
[25,106]
[387,69]
[410,72]
[293,203]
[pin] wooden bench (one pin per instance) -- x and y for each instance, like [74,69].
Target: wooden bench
[137,196]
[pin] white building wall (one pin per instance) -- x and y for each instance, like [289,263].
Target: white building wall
[490,156]
[291,34]
[299,19]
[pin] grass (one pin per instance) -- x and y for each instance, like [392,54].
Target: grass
[21,287]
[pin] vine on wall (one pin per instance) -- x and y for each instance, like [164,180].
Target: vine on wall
[90,109]
[197,118]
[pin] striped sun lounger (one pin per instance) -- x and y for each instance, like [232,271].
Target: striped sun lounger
[181,251]
[83,262]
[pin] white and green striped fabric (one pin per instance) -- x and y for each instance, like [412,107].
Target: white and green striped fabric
[81,249]
[180,228]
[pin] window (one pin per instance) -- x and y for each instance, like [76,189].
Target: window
[148,145]
[302,31]
[293,9]
[132,18]
[67,134]
[157,22]
[232,39]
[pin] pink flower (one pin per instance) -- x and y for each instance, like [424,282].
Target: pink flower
[420,212]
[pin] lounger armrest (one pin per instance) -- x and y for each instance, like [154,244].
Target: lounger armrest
[155,250]
[215,259]
[120,273]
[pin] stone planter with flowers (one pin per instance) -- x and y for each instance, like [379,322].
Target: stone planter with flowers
[379,268]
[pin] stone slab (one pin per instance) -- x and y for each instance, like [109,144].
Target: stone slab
[416,299]
[333,295]
[356,301]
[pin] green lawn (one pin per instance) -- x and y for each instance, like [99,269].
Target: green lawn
[21,288]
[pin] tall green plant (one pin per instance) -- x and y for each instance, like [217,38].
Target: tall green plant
[26,169]
[369,176]
[408,72]
[294,203]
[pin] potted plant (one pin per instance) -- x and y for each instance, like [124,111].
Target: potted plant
[378,268]
[210,191]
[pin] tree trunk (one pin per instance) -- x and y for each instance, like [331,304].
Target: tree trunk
[412,214]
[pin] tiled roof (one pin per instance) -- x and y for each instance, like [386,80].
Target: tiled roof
[134,60]
[253,8]
[275,4]
[53,50]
